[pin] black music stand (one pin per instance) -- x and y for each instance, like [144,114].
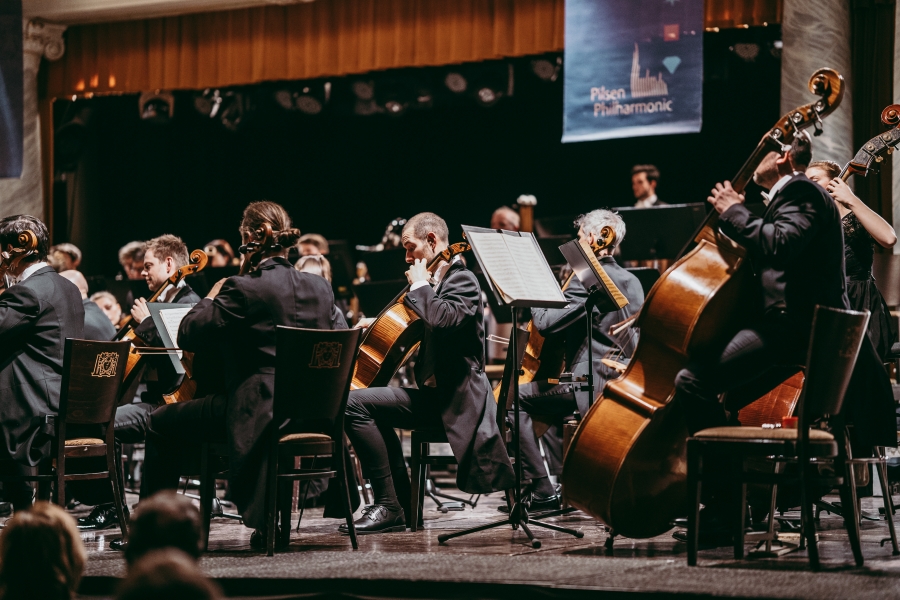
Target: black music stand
[487,246]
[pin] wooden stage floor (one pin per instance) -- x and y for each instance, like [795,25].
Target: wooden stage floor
[499,563]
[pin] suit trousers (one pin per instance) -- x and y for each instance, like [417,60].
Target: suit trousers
[175,437]
[371,417]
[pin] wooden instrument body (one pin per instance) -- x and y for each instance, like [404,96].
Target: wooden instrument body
[626,464]
[390,341]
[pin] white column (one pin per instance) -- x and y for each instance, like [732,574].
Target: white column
[25,195]
[816,34]
[896,166]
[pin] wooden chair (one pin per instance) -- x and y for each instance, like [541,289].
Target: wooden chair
[92,376]
[312,381]
[833,349]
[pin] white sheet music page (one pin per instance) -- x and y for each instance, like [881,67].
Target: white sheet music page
[171,318]
[515,267]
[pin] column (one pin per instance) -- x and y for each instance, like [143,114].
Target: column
[816,34]
[25,195]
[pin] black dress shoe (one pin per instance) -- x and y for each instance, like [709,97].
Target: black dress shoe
[6,509]
[258,540]
[119,544]
[707,538]
[377,519]
[536,505]
[101,517]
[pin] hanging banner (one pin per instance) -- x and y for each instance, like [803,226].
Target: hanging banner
[632,68]
[11,88]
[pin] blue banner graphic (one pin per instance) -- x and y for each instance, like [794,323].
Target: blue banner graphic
[11,88]
[632,68]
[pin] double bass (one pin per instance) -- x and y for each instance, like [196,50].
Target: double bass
[626,464]
[394,335]
[26,245]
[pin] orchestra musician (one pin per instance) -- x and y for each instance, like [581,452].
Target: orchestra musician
[644,179]
[37,313]
[131,257]
[567,326]
[96,324]
[506,218]
[797,249]
[236,322]
[453,392]
[863,228]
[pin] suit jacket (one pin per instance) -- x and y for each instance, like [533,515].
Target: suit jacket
[240,325]
[36,317]
[451,364]
[568,326]
[97,325]
[797,249]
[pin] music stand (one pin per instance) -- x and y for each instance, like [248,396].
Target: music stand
[518,275]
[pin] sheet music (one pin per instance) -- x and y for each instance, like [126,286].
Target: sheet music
[171,318]
[514,266]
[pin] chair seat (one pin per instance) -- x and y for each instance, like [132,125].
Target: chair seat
[307,443]
[760,433]
[85,442]
[429,436]
[894,352]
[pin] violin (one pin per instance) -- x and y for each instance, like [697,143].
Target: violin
[626,463]
[26,245]
[395,334]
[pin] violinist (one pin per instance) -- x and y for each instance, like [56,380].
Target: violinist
[236,322]
[797,249]
[567,326]
[38,311]
[453,392]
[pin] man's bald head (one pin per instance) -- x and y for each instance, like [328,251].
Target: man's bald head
[78,279]
[505,218]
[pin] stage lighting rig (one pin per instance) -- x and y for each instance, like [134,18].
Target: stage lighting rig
[228,106]
[310,99]
[492,82]
[547,68]
[156,107]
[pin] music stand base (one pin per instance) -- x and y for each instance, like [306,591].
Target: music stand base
[518,517]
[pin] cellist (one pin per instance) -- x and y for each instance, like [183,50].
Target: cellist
[453,392]
[797,250]
[567,326]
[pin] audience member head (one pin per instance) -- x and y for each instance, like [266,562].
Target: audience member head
[258,214]
[163,256]
[312,243]
[131,257]
[64,257]
[220,253]
[643,181]
[41,555]
[11,227]
[165,520]
[505,218]
[776,165]
[315,264]
[591,224]
[424,236]
[109,305]
[823,171]
[168,574]
[78,279]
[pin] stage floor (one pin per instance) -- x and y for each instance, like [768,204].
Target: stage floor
[500,562]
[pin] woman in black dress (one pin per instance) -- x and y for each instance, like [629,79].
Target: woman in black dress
[863,228]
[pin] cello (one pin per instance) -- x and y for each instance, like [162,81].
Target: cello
[394,335]
[626,464]
[261,243]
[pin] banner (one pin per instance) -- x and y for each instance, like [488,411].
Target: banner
[11,88]
[632,68]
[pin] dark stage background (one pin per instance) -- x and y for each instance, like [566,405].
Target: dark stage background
[346,176]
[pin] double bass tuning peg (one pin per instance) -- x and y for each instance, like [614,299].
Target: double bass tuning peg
[817,126]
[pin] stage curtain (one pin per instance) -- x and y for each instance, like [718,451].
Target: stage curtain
[872,86]
[327,38]
[301,41]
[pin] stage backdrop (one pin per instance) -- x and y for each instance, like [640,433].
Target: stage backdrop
[632,68]
[11,88]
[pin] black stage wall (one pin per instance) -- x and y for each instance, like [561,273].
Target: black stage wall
[345,176]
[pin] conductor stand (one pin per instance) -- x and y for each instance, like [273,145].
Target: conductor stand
[489,246]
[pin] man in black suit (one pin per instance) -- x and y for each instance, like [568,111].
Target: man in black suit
[453,392]
[566,328]
[237,322]
[163,256]
[38,311]
[797,249]
[96,324]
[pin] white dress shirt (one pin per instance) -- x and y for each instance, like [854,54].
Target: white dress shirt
[767,196]
[647,202]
